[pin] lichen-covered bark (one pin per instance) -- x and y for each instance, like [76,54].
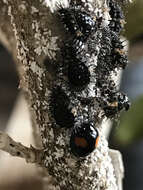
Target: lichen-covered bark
[31,155]
[39,34]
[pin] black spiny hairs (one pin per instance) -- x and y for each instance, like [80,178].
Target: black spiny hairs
[74,68]
[117,18]
[112,54]
[78,22]
[59,108]
[83,91]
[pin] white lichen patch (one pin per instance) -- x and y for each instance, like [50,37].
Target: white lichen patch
[45,42]
[34,10]
[60,140]
[51,133]
[58,153]
[55,4]
[22,8]
[36,69]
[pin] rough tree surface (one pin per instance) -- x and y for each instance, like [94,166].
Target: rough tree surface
[37,33]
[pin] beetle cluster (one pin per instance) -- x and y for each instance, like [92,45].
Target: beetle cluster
[84,92]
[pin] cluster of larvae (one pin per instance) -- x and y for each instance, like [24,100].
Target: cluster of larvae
[84,92]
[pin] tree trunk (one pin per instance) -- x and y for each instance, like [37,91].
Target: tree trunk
[32,31]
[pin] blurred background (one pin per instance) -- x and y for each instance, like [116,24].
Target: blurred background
[126,134]
[8,86]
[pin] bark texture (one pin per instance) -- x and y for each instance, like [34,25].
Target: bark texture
[38,34]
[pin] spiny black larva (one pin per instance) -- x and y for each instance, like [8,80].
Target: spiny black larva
[68,18]
[117,102]
[116,25]
[74,68]
[123,102]
[78,22]
[84,139]
[106,85]
[117,18]
[112,54]
[119,58]
[115,10]
[107,88]
[59,103]
[73,49]
[115,40]
[118,54]
[104,58]
[78,75]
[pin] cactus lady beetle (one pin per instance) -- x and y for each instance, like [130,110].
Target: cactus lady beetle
[84,139]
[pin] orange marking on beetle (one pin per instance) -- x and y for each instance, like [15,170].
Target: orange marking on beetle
[113,104]
[80,141]
[120,51]
[97,140]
